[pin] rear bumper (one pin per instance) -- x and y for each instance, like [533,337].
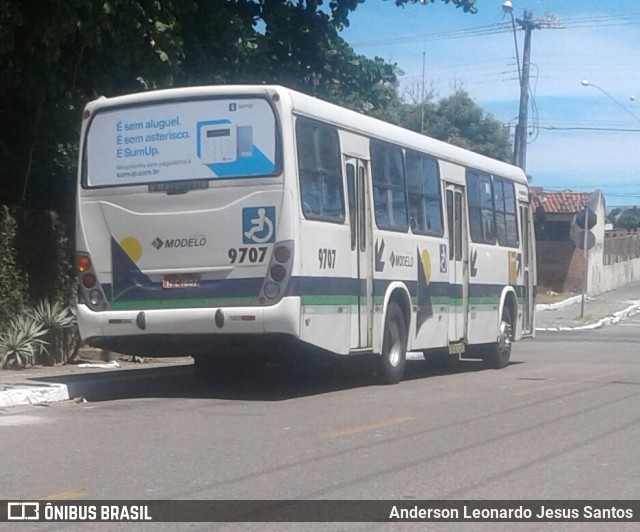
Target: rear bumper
[181,331]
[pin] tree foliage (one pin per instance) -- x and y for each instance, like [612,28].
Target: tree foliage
[468,6]
[456,119]
[13,286]
[459,120]
[54,56]
[629,218]
[57,55]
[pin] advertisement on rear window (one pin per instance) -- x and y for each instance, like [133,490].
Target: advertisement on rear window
[181,141]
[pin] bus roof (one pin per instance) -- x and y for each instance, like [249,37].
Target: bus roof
[341,117]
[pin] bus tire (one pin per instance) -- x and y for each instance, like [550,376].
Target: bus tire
[394,347]
[498,354]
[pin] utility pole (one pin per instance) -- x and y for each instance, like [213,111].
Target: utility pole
[520,144]
[528,24]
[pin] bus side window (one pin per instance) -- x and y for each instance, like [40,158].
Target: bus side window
[389,191]
[351,191]
[423,187]
[319,170]
[481,209]
[506,220]
[450,224]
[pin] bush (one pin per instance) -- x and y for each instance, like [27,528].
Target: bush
[22,341]
[44,249]
[46,334]
[59,323]
[36,261]
[13,282]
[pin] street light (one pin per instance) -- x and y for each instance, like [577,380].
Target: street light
[587,83]
[507,7]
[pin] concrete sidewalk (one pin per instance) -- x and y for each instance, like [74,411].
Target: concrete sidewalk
[40,384]
[601,310]
[75,381]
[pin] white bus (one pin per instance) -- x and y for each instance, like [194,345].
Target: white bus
[215,221]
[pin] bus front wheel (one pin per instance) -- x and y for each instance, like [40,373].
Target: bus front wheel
[394,346]
[498,354]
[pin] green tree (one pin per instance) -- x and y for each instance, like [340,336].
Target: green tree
[13,285]
[629,219]
[289,43]
[461,121]
[456,119]
[57,55]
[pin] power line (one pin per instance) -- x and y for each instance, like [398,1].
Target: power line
[586,128]
[455,34]
[503,27]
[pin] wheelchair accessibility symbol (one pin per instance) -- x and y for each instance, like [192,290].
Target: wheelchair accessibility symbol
[258,225]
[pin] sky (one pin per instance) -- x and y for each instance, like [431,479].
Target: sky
[580,137]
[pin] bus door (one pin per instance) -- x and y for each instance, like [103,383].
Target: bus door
[458,260]
[362,256]
[528,269]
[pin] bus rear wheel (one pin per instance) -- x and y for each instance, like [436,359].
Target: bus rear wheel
[498,354]
[394,347]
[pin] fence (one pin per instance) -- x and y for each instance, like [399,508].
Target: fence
[621,245]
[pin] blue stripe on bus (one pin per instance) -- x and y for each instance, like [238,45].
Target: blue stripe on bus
[130,285]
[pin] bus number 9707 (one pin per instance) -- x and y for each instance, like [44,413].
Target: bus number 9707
[251,255]
[327,258]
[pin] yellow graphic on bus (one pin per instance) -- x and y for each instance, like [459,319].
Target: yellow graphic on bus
[132,247]
[513,268]
[426,265]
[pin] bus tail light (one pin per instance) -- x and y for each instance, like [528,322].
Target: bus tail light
[90,292]
[88,280]
[271,291]
[282,254]
[84,263]
[279,272]
[96,298]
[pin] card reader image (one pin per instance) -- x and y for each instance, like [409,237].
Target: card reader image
[218,142]
[245,141]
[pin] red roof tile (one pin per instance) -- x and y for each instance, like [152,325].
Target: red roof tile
[561,202]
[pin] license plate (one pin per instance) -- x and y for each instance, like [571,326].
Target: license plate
[181,281]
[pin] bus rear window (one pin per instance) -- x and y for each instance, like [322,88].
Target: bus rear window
[178,141]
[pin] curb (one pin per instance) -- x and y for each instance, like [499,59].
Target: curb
[29,394]
[609,320]
[92,384]
[560,304]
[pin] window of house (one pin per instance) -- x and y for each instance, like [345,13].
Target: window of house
[319,167]
[556,230]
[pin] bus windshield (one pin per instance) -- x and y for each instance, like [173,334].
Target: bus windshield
[177,141]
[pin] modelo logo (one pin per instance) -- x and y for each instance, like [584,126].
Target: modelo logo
[401,261]
[174,243]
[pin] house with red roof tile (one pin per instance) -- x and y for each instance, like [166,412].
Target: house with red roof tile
[562,262]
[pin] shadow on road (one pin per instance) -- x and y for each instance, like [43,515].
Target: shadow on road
[271,382]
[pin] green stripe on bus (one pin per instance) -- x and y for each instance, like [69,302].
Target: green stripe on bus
[182,303]
[318,300]
[329,299]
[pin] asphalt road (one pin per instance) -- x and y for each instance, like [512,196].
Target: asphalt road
[562,421]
